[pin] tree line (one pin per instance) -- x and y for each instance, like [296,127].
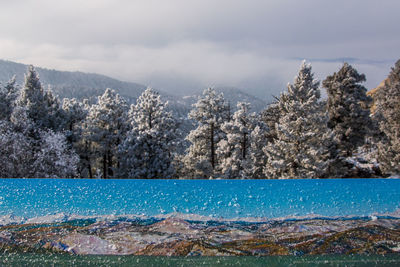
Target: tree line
[299,135]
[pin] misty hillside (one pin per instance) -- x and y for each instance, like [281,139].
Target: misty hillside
[81,85]
[72,84]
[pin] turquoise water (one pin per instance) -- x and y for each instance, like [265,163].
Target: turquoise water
[216,198]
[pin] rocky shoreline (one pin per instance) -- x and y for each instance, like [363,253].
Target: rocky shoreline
[179,237]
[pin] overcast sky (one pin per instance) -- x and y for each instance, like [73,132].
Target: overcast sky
[256,45]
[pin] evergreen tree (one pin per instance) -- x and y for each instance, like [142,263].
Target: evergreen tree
[210,112]
[8,94]
[301,147]
[235,149]
[55,159]
[32,99]
[388,109]
[270,116]
[32,116]
[56,116]
[41,106]
[148,149]
[28,157]
[259,140]
[348,108]
[105,128]
[16,153]
[75,113]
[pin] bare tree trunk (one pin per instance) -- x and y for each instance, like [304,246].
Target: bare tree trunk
[212,145]
[150,118]
[117,157]
[105,165]
[244,144]
[90,169]
[109,168]
[89,166]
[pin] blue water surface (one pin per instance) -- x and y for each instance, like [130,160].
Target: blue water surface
[217,198]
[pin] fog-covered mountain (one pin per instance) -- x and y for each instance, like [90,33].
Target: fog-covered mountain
[89,85]
[72,84]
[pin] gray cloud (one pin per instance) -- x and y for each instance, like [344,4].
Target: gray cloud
[189,44]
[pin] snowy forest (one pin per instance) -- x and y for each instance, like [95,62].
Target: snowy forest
[300,135]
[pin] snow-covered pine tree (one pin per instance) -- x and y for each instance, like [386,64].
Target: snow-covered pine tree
[259,139]
[8,94]
[347,108]
[16,153]
[41,106]
[270,116]
[55,113]
[300,150]
[55,159]
[105,128]
[388,109]
[234,150]
[148,149]
[34,157]
[75,115]
[210,112]
[35,115]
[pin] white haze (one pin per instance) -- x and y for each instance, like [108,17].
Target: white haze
[186,45]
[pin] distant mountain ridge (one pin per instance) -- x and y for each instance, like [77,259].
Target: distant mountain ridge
[71,84]
[80,85]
